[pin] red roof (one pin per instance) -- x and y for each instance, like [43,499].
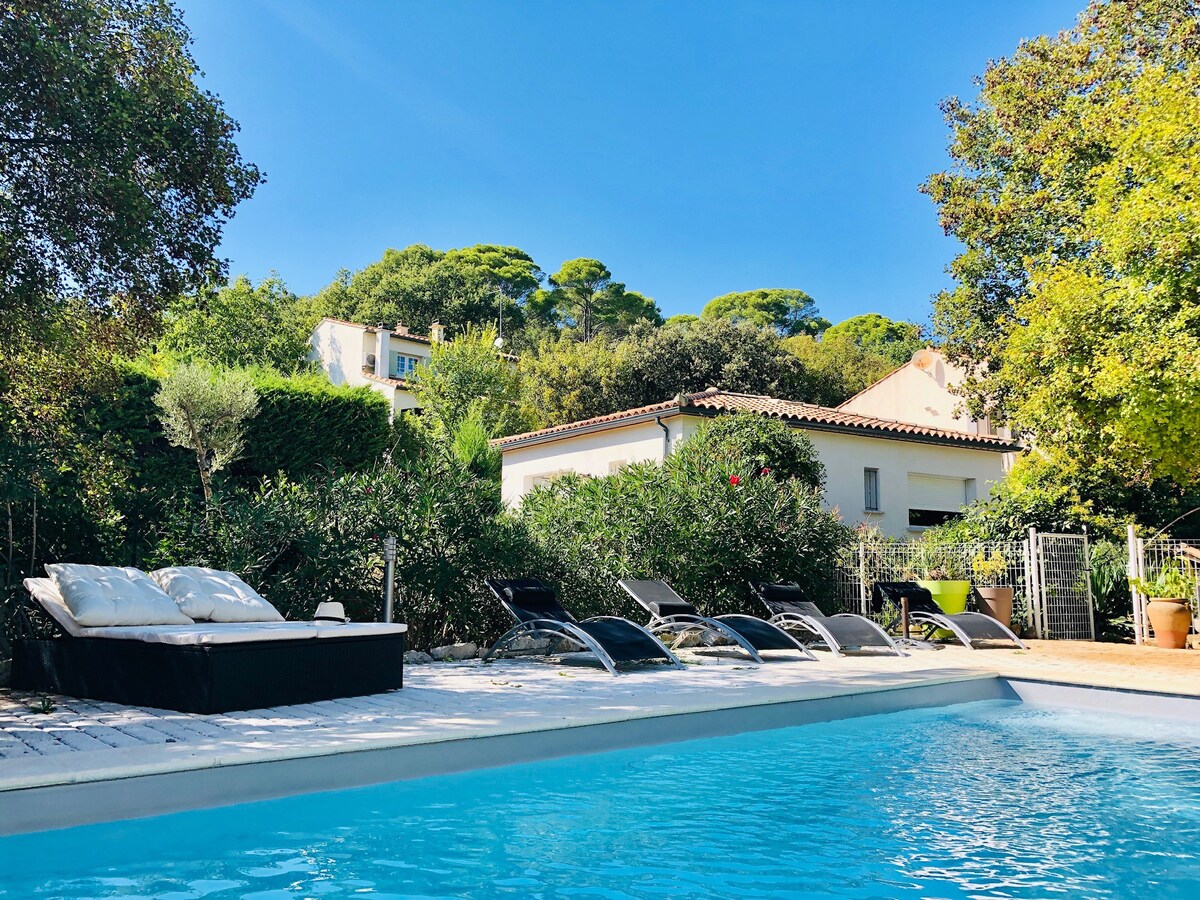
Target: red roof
[820,418]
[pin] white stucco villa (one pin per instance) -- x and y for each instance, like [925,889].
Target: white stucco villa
[379,357]
[901,476]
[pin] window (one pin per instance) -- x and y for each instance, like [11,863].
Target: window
[871,490]
[936,499]
[403,365]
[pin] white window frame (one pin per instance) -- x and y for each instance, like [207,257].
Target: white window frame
[411,363]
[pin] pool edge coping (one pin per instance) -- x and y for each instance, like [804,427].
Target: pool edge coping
[201,756]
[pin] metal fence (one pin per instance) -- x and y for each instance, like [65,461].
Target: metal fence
[1047,572]
[1146,560]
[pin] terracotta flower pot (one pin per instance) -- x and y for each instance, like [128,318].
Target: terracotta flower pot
[996,602]
[1170,620]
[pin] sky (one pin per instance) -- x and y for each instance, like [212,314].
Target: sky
[695,148]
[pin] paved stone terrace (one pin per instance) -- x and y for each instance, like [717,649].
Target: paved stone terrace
[84,740]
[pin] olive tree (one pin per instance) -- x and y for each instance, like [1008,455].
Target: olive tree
[206,410]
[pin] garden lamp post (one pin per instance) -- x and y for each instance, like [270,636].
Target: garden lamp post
[389,577]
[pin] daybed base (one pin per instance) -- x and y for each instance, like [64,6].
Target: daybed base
[209,678]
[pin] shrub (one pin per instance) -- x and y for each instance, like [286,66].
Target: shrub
[301,542]
[708,520]
[305,423]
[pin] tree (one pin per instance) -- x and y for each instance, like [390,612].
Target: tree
[1075,193]
[469,379]
[788,311]
[583,295]
[879,335]
[205,410]
[242,325]
[713,353]
[419,285]
[837,365]
[117,171]
[568,380]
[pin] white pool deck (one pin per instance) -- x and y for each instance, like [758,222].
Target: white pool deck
[89,741]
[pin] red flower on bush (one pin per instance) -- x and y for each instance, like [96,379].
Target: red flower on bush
[735,479]
[766,470]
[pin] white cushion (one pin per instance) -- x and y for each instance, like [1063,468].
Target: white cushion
[99,596]
[203,634]
[214,596]
[45,593]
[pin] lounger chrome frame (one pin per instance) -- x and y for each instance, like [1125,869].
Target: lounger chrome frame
[572,634]
[788,620]
[681,623]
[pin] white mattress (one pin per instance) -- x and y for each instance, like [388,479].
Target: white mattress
[44,591]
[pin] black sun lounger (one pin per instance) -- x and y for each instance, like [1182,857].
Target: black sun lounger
[671,614]
[538,613]
[791,610]
[970,628]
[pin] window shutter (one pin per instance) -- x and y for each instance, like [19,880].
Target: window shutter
[936,492]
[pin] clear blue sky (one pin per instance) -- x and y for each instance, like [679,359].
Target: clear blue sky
[694,147]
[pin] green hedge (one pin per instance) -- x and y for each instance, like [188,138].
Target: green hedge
[306,423]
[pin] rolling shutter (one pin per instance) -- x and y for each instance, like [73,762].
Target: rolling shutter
[936,492]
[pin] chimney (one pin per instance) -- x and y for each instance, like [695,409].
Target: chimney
[437,332]
[401,330]
[383,350]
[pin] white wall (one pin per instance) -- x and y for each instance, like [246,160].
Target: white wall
[920,397]
[598,453]
[342,351]
[846,456]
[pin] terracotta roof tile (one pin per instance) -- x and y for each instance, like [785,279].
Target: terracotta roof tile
[714,400]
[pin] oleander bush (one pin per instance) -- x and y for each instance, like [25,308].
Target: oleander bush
[740,501]
[302,542]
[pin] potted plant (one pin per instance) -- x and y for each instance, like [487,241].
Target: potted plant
[1170,592]
[943,572]
[996,602]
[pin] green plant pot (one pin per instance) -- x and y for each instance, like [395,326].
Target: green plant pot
[951,596]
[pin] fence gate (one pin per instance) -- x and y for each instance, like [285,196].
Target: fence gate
[1062,605]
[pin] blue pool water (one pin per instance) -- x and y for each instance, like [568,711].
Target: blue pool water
[982,800]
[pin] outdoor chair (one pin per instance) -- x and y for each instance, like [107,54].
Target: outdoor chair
[671,614]
[970,628]
[792,611]
[539,614]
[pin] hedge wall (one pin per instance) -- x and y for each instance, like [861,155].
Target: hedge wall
[304,423]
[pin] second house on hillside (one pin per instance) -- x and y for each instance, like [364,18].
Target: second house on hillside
[374,355]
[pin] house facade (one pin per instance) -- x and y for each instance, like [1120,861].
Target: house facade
[381,358]
[902,477]
[922,392]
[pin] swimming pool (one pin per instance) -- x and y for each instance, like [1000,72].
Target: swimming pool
[986,799]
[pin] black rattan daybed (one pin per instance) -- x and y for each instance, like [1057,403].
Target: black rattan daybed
[207,668]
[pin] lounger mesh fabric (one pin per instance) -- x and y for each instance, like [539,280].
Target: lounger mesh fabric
[660,599]
[529,599]
[848,631]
